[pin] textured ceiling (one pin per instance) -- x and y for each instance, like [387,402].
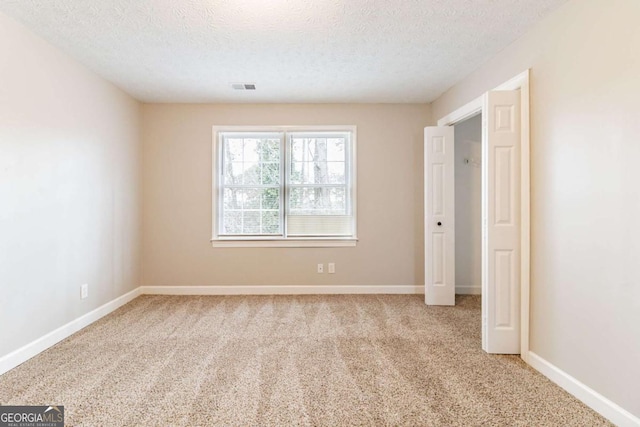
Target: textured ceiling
[293,50]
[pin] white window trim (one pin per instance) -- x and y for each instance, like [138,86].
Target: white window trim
[280,242]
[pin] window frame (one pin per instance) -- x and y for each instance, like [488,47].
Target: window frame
[282,241]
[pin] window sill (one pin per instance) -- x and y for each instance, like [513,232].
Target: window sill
[284,243]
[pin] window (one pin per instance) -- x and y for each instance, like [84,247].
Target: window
[284,186]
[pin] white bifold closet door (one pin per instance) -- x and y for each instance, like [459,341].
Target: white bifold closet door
[501,223]
[439,209]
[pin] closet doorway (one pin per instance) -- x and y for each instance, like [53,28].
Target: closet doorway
[468,201]
[504,225]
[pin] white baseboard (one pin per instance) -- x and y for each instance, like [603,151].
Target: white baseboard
[279,290]
[26,352]
[468,290]
[608,409]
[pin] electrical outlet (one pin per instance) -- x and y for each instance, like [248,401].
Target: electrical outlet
[84,291]
[320,268]
[332,267]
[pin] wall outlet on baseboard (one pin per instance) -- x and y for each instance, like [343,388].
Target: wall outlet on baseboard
[332,267]
[84,291]
[320,268]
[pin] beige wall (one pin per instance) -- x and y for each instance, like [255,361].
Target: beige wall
[585,280]
[69,188]
[177,198]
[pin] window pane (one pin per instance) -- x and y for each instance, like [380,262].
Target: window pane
[251,150]
[297,149]
[338,199]
[252,198]
[318,201]
[336,172]
[270,222]
[233,149]
[271,198]
[318,173]
[251,175]
[232,198]
[232,222]
[299,199]
[270,150]
[251,211]
[244,159]
[296,173]
[309,149]
[270,173]
[233,173]
[299,173]
[335,150]
[316,160]
[251,222]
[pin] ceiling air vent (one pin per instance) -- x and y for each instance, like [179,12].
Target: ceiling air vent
[243,86]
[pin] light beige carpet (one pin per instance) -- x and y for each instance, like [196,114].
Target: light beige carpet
[289,360]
